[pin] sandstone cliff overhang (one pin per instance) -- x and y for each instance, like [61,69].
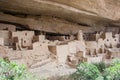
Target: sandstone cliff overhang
[95,13]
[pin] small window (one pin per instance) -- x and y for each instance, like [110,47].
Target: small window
[24,41]
[25,34]
[65,37]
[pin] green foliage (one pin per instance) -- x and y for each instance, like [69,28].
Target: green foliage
[100,78]
[113,72]
[86,71]
[115,61]
[98,71]
[11,71]
[101,66]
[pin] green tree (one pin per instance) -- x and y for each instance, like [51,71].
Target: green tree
[101,66]
[113,71]
[12,71]
[98,71]
[86,71]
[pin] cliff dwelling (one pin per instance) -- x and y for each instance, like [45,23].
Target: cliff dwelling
[54,36]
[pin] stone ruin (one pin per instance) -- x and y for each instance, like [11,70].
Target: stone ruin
[51,36]
[36,50]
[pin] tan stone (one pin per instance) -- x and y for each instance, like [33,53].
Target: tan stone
[80,35]
[24,38]
[72,52]
[40,38]
[61,51]
[72,47]
[94,59]
[2,41]
[81,11]
[3,52]
[109,41]
[81,46]
[92,48]
[101,45]
[8,27]
[6,36]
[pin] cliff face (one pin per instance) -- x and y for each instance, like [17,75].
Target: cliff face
[71,14]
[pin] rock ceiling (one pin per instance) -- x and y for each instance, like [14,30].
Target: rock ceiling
[61,16]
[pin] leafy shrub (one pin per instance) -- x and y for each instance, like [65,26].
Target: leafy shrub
[115,61]
[98,71]
[101,66]
[11,71]
[86,71]
[113,72]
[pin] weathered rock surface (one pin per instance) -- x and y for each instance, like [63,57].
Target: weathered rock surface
[46,23]
[96,13]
